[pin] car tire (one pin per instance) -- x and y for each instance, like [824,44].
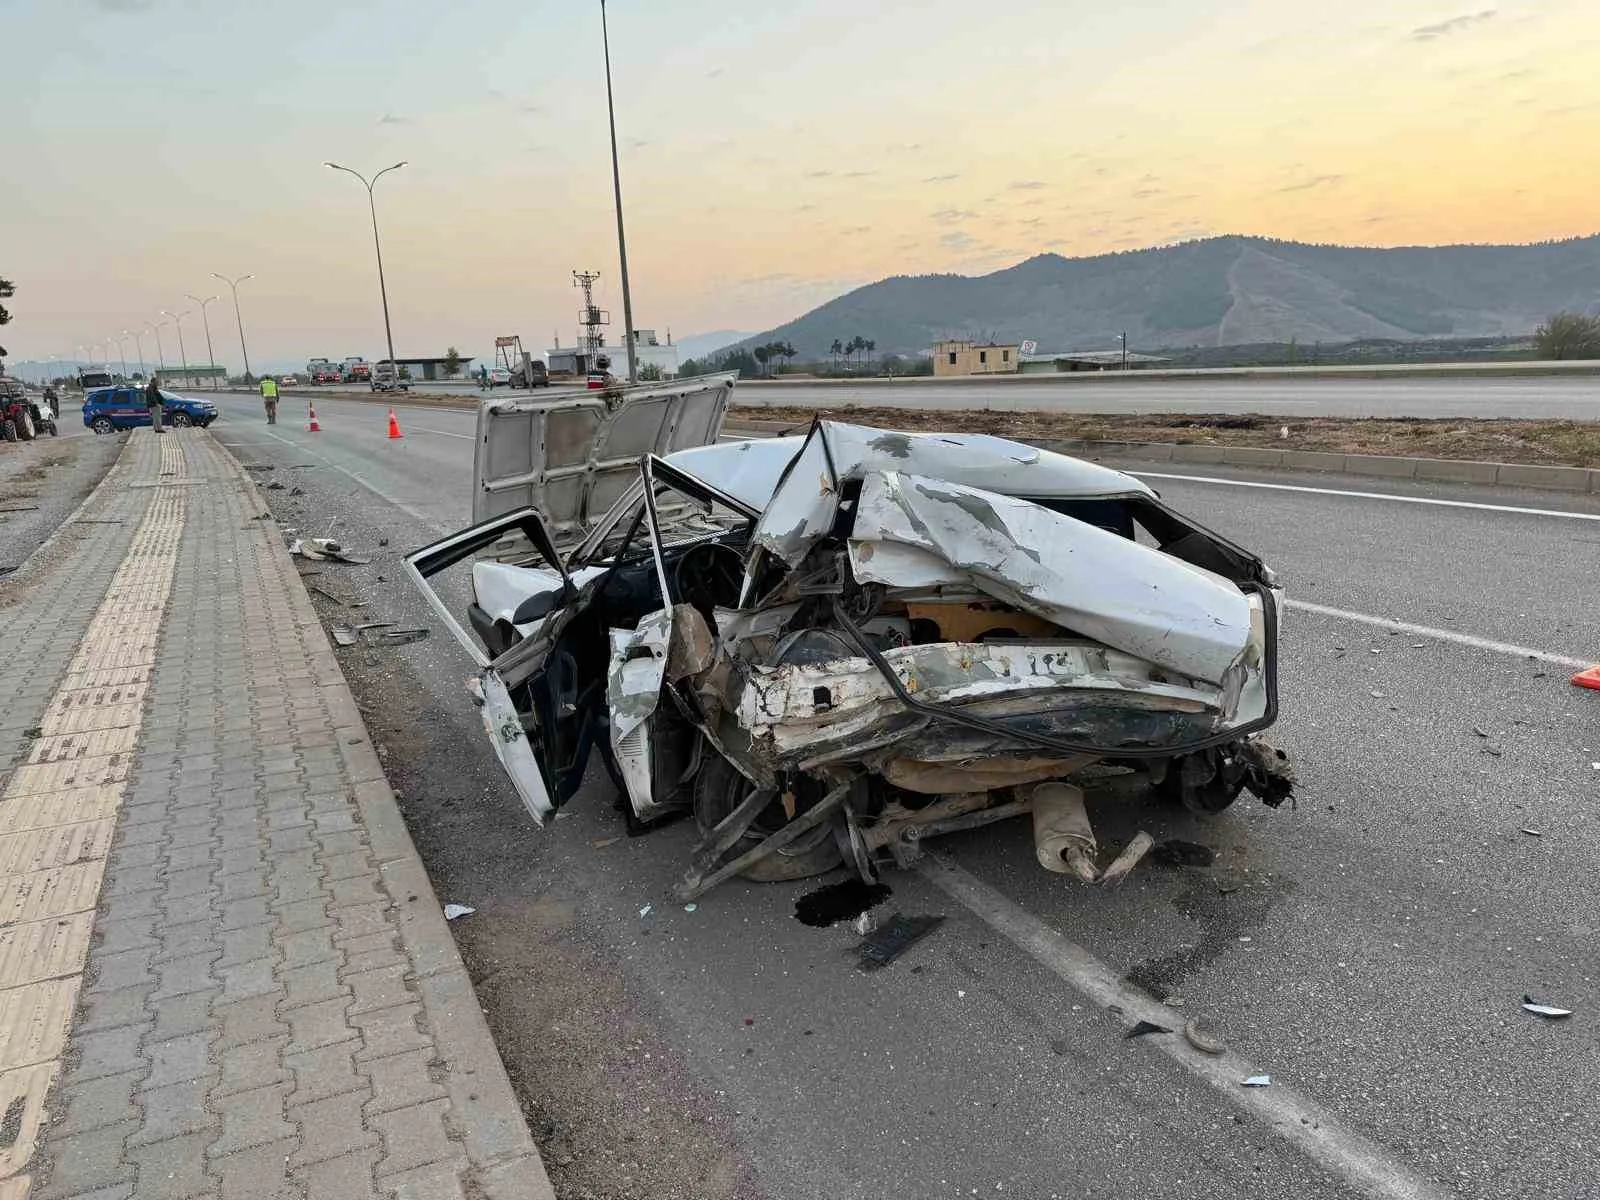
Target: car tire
[182,420]
[719,789]
[8,430]
[102,425]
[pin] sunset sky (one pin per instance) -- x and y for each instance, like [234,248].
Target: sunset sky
[773,155]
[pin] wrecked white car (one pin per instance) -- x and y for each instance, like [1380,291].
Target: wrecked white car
[828,647]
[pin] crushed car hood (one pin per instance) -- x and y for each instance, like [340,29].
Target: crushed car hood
[571,458]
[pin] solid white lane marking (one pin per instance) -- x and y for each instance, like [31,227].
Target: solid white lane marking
[471,437]
[1317,491]
[1367,1167]
[1440,635]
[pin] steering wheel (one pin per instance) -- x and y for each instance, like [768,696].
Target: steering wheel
[708,575]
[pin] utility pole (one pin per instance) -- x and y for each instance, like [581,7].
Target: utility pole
[161,354]
[383,291]
[616,186]
[206,321]
[138,340]
[234,284]
[1124,349]
[122,353]
[177,319]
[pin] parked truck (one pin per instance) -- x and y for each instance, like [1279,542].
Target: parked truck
[322,371]
[357,370]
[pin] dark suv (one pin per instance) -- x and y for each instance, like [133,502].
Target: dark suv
[106,410]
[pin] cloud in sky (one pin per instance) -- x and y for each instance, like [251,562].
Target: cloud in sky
[953,216]
[1028,185]
[1457,24]
[951,178]
[392,119]
[125,6]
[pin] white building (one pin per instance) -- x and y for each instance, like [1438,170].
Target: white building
[648,351]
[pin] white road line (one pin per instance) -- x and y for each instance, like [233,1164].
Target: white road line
[1289,487]
[471,437]
[1440,635]
[1368,1168]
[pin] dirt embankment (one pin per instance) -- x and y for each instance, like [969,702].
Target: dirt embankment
[1548,443]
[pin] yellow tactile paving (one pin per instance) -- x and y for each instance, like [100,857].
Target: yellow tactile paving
[58,845]
[44,949]
[56,892]
[73,747]
[30,1085]
[58,814]
[35,1020]
[56,808]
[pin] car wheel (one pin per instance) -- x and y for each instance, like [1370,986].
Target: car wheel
[182,420]
[719,789]
[8,429]
[25,427]
[102,425]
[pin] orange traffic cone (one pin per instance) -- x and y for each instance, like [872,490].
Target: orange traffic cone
[1589,678]
[394,426]
[312,426]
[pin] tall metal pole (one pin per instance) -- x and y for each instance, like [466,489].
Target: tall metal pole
[161,354]
[138,341]
[616,186]
[377,247]
[1124,349]
[206,321]
[234,284]
[122,352]
[177,319]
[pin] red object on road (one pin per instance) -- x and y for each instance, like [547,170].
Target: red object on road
[394,426]
[312,426]
[1588,679]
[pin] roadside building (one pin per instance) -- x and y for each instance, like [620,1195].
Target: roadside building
[1086,360]
[573,361]
[960,357]
[428,369]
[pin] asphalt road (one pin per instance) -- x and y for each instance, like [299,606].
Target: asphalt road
[1368,948]
[1464,396]
[1490,395]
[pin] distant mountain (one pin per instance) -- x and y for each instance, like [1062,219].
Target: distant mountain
[1220,291]
[705,343]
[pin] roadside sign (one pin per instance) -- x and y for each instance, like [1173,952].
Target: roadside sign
[1030,347]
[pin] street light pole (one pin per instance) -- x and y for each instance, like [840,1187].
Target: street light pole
[177,319]
[383,291]
[616,187]
[161,354]
[206,321]
[234,284]
[1124,349]
[122,352]
[138,341]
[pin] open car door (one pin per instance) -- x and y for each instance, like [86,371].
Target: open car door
[545,751]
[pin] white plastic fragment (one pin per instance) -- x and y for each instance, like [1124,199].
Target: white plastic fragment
[690,907]
[1545,1010]
[645,911]
[1258,1081]
[452,911]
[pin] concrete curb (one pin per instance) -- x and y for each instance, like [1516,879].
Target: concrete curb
[505,1160]
[1430,470]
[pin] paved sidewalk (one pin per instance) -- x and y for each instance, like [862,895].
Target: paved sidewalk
[223,971]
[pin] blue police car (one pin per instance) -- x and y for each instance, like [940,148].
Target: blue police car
[106,410]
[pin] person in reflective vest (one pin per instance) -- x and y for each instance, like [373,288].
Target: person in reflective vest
[269,397]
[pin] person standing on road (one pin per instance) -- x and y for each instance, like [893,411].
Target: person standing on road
[152,401]
[483,378]
[269,398]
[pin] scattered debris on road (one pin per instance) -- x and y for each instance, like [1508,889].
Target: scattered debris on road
[1144,1029]
[1258,1081]
[843,901]
[320,549]
[1545,1010]
[1199,1035]
[1125,862]
[1532,832]
[453,912]
[893,938]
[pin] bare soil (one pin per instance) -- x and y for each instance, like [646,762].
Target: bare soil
[1547,443]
